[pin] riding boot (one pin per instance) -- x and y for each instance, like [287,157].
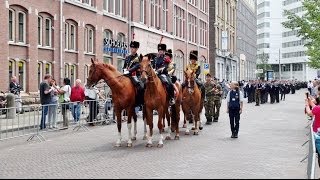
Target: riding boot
[171,94]
[202,88]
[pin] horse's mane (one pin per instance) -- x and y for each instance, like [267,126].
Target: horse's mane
[110,67]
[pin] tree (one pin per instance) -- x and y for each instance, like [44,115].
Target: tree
[263,64]
[308,27]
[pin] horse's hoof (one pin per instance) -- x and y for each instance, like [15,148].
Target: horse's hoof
[168,138]
[193,129]
[129,145]
[177,138]
[149,145]
[134,139]
[160,145]
[187,133]
[201,128]
[196,133]
[145,138]
[117,145]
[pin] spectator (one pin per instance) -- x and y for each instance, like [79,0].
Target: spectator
[45,98]
[15,89]
[77,97]
[92,96]
[64,99]
[52,116]
[310,87]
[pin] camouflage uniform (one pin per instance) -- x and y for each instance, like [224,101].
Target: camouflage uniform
[217,102]
[209,100]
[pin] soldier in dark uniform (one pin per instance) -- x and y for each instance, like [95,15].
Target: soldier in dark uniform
[195,67]
[258,93]
[131,69]
[277,92]
[161,64]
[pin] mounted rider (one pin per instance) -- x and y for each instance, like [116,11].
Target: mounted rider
[161,64]
[131,68]
[196,68]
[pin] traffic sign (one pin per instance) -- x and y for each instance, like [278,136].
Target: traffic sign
[259,71]
[206,66]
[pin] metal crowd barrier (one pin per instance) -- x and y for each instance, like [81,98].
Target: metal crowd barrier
[312,153]
[28,123]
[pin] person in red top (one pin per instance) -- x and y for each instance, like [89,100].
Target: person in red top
[314,112]
[77,97]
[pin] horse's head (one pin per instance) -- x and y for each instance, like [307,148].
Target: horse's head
[95,73]
[146,68]
[189,78]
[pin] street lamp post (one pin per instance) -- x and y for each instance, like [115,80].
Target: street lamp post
[280,64]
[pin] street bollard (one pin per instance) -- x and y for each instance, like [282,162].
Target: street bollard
[11,104]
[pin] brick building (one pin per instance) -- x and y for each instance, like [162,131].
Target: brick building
[60,37]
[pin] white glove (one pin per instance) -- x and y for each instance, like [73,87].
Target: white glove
[125,71]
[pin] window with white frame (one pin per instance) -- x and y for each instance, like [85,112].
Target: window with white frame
[21,27]
[40,73]
[107,34]
[203,33]
[70,72]
[118,7]
[48,68]
[121,38]
[40,30]
[48,34]
[22,73]
[114,7]
[193,28]
[164,14]
[179,22]
[70,35]
[179,61]
[142,11]
[193,2]
[88,2]
[154,16]
[89,39]
[12,66]
[11,24]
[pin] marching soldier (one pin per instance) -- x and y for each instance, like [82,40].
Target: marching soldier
[217,97]
[161,64]
[209,98]
[258,93]
[195,67]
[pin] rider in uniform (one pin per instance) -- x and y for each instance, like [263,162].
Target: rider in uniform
[160,64]
[195,67]
[131,68]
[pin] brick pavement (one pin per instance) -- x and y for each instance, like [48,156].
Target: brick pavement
[269,147]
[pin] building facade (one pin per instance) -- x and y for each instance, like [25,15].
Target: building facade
[61,37]
[294,59]
[225,60]
[246,39]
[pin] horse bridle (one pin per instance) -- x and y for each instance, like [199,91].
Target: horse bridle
[148,75]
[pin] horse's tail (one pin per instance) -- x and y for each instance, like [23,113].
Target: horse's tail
[174,120]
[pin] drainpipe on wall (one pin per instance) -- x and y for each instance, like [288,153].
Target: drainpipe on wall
[129,21]
[61,44]
[187,35]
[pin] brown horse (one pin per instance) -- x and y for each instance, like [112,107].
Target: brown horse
[155,99]
[192,101]
[123,95]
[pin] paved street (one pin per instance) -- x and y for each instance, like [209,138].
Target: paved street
[269,146]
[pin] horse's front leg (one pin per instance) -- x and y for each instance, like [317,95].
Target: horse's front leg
[130,114]
[135,118]
[168,136]
[149,120]
[160,127]
[144,116]
[197,123]
[119,124]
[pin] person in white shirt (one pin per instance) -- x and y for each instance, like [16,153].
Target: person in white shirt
[92,95]
[52,114]
[64,99]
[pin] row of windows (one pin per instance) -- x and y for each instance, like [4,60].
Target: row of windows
[295,10]
[246,12]
[263,45]
[204,38]
[17,26]
[290,33]
[263,15]
[293,43]
[247,47]
[158,12]
[263,35]
[263,25]
[264,4]
[230,39]
[287,67]
[287,2]
[246,29]
[294,54]
[114,7]
[204,5]
[179,22]
[193,28]
[263,56]
[226,11]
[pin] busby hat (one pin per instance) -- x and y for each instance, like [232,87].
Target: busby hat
[162,47]
[134,44]
[194,55]
[208,75]
[169,53]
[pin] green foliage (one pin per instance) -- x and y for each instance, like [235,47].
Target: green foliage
[308,27]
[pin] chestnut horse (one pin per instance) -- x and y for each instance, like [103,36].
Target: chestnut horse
[155,99]
[123,95]
[192,101]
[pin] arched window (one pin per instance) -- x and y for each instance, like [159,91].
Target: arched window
[22,74]
[11,25]
[179,61]
[86,73]
[107,55]
[22,27]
